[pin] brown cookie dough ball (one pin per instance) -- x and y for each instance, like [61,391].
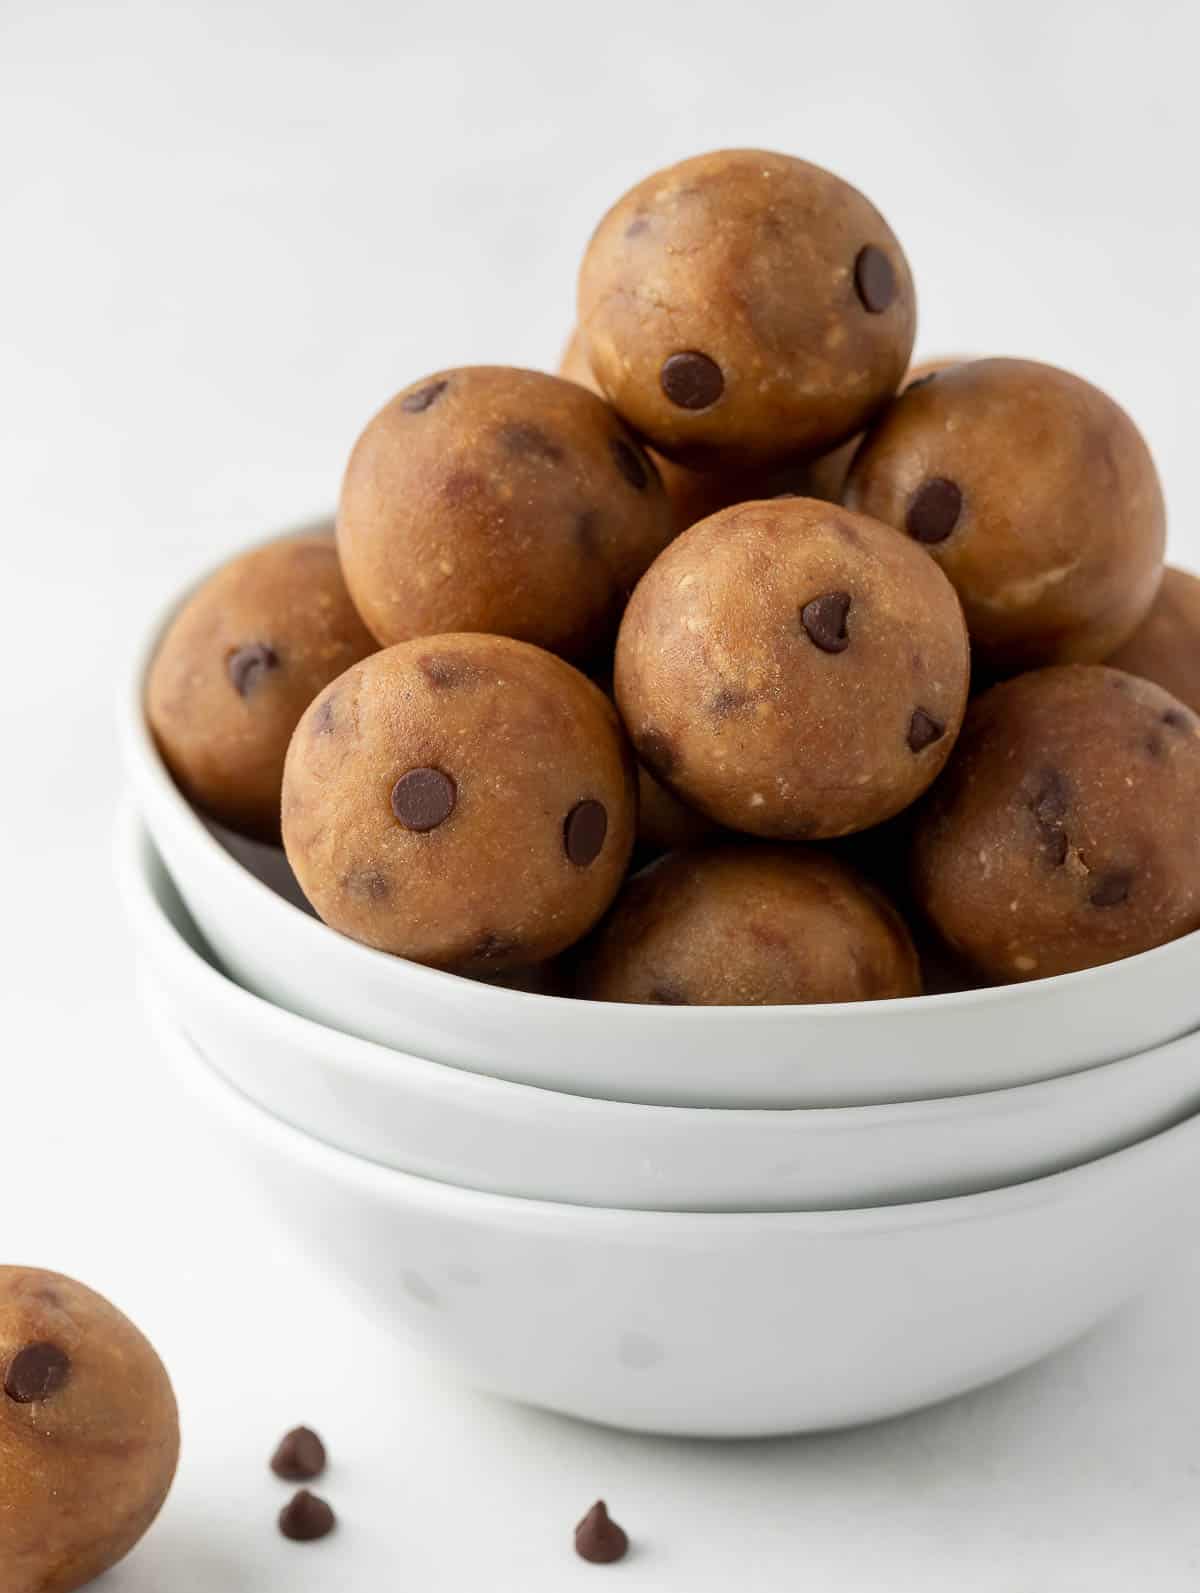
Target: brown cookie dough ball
[503,501]
[748,925]
[793,670]
[1165,648]
[1037,496]
[89,1433]
[237,667]
[466,801]
[1064,833]
[744,306]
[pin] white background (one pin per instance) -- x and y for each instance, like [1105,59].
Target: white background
[227,234]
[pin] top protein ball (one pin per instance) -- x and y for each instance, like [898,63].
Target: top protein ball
[500,501]
[1035,493]
[743,307]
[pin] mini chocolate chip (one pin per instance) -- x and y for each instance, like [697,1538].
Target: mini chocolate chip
[305,1518]
[923,730]
[300,1456]
[656,749]
[1053,798]
[587,528]
[1056,844]
[692,380]
[424,798]
[637,226]
[1177,718]
[444,670]
[521,437]
[417,402]
[584,830]
[598,1539]
[824,621]
[630,463]
[36,1373]
[1156,746]
[489,946]
[249,664]
[727,702]
[367,884]
[1111,889]
[874,279]
[667,994]
[933,510]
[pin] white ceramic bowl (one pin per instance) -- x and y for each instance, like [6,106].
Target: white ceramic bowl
[464,1128]
[841,1055]
[718,1325]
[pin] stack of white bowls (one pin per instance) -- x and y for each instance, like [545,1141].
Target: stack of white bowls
[718,1221]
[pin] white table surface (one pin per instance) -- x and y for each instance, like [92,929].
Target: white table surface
[229,232]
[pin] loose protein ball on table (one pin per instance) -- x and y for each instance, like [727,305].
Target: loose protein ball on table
[466,801]
[748,924]
[1037,496]
[743,307]
[89,1433]
[1065,832]
[1165,648]
[237,667]
[502,501]
[793,670]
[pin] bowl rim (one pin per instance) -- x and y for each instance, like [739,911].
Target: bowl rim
[135,854]
[500,1001]
[197,1075]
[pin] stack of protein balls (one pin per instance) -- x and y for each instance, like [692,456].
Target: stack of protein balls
[725,664]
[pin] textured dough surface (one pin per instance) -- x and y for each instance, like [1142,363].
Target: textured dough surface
[1165,648]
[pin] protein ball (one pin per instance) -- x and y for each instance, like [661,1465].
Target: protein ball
[237,667]
[501,501]
[747,924]
[793,670]
[1037,496]
[1064,833]
[465,801]
[1165,648]
[89,1433]
[745,306]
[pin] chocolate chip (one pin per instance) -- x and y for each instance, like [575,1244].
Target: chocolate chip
[300,1456]
[249,664]
[1056,844]
[657,751]
[521,438]
[933,510]
[727,702]
[424,798]
[1111,889]
[637,226]
[367,884]
[36,1373]
[1053,798]
[417,402]
[667,994]
[489,946]
[445,670]
[691,380]
[874,279]
[824,621]
[598,1539]
[306,1518]
[587,530]
[923,730]
[1177,718]
[1156,746]
[323,716]
[630,463]
[584,830]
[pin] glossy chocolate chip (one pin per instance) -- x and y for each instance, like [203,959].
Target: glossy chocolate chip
[874,279]
[1111,889]
[249,664]
[933,510]
[630,463]
[691,380]
[417,402]
[423,798]
[824,621]
[598,1538]
[300,1456]
[923,730]
[305,1518]
[584,830]
[36,1373]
